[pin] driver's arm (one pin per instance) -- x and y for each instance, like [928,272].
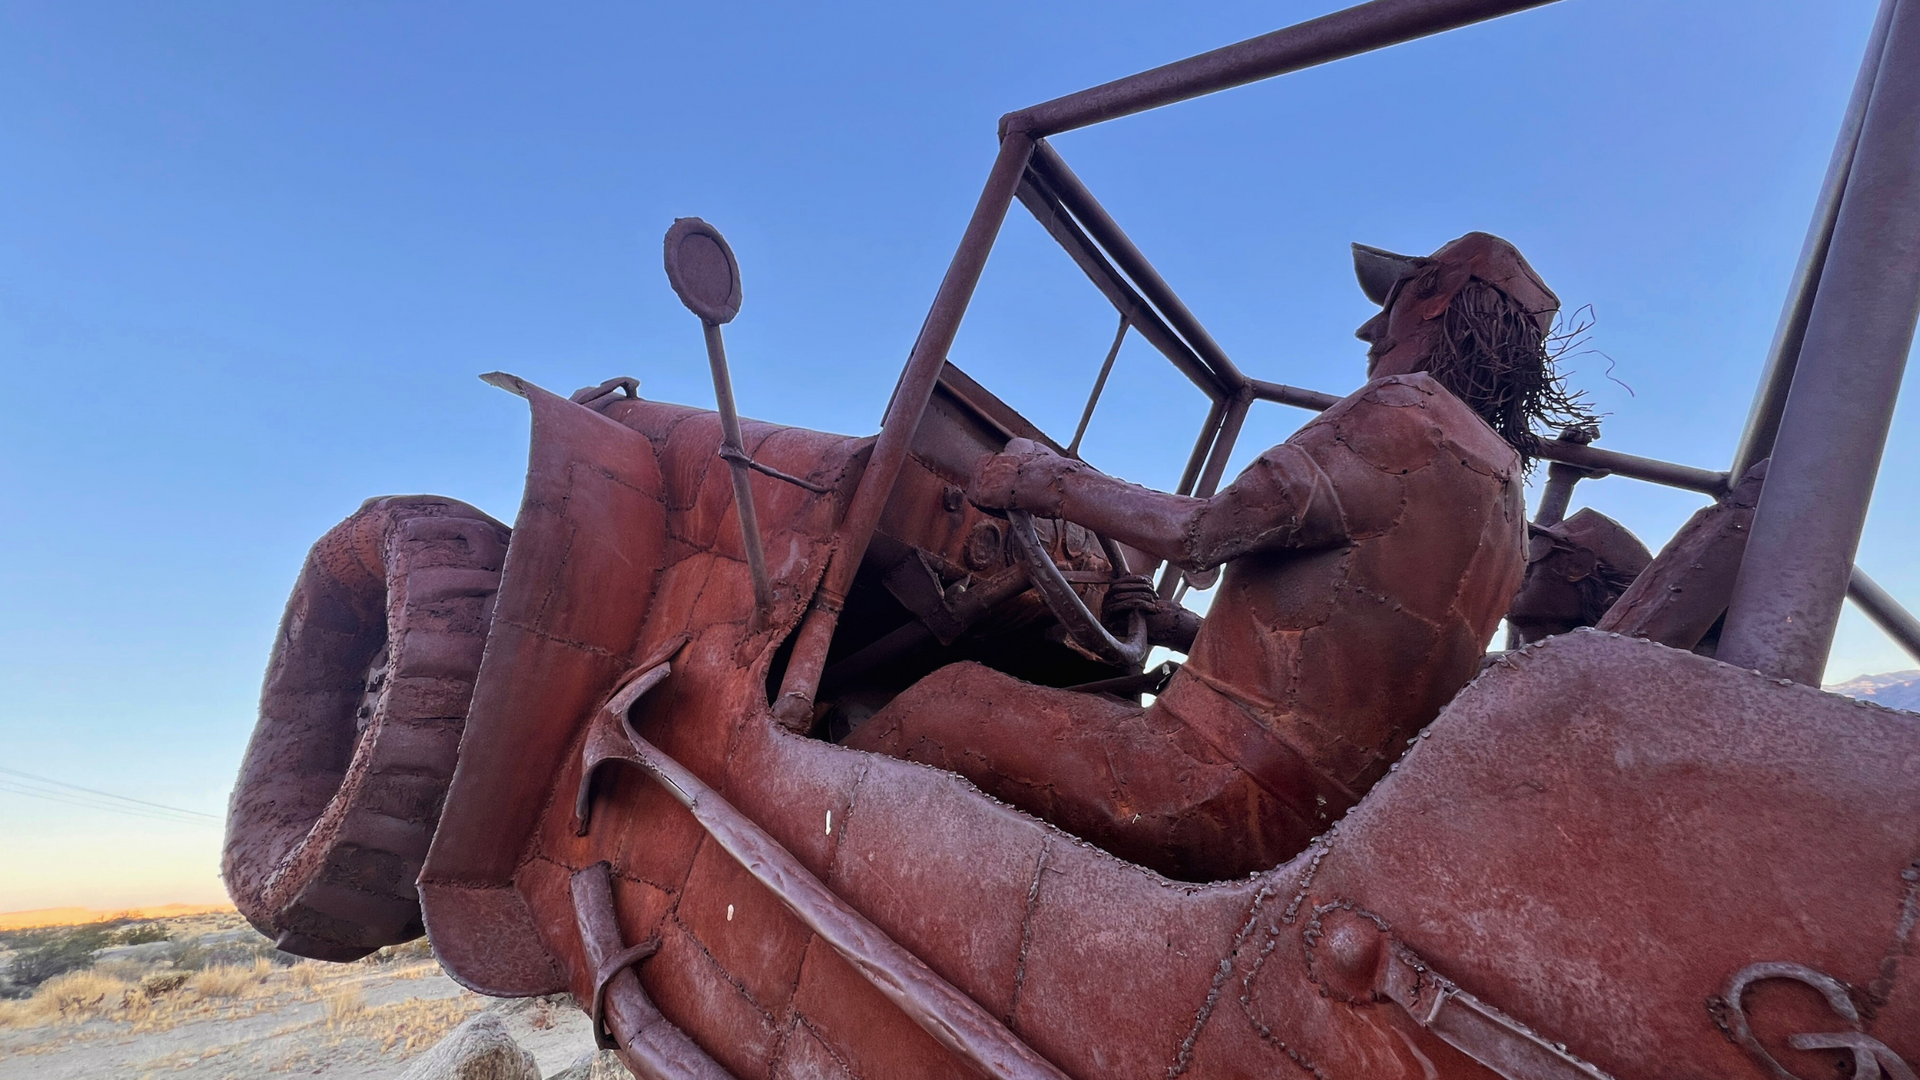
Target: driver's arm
[1282,500]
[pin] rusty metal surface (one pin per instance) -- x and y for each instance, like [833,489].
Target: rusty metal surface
[1476,1029]
[1399,498]
[1106,970]
[1067,942]
[626,525]
[1603,857]
[360,720]
[1685,591]
[1577,571]
[1654,790]
[623,1017]
[1081,625]
[952,1018]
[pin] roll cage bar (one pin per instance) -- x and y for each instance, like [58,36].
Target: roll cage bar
[1821,412]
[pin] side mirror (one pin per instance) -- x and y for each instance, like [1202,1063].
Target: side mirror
[702,270]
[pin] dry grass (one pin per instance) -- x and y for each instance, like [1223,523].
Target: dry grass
[154,1002]
[415,1024]
[119,999]
[228,981]
[342,1005]
[74,997]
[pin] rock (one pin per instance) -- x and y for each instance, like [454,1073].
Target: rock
[595,1065]
[162,982]
[147,952]
[479,1049]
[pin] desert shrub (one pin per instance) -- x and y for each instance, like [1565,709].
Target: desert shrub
[73,996]
[191,957]
[141,933]
[46,953]
[342,1005]
[197,953]
[224,981]
[79,995]
[416,1023]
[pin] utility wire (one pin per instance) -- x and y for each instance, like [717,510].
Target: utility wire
[14,788]
[95,799]
[129,811]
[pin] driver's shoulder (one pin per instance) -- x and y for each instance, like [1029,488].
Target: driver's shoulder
[1399,421]
[1414,402]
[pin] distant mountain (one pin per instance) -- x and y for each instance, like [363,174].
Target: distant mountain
[1895,690]
[79,916]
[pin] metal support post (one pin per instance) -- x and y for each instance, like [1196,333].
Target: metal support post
[1786,600]
[1763,422]
[910,397]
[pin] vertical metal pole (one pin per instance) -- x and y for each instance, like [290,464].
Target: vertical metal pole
[1231,420]
[909,402]
[733,450]
[1558,493]
[1787,597]
[1763,422]
[1099,384]
[1237,407]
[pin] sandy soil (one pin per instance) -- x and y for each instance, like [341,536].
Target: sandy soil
[232,1020]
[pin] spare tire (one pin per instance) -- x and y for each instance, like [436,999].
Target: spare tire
[360,718]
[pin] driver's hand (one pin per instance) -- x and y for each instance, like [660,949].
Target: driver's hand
[1168,623]
[1127,595]
[1025,476]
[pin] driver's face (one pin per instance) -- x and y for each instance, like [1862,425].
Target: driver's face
[1398,339]
[1374,333]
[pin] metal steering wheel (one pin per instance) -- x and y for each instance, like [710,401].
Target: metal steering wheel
[1082,625]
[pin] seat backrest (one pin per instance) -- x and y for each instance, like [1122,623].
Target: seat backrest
[1683,593]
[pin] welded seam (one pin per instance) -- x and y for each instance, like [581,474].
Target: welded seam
[1881,989]
[1246,1006]
[1026,929]
[846,823]
[1322,844]
[726,975]
[1184,1057]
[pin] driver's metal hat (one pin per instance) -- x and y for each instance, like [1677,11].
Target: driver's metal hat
[1477,255]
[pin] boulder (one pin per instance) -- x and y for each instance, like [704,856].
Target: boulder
[479,1049]
[147,952]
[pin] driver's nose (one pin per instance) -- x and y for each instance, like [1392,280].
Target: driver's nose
[1371,330]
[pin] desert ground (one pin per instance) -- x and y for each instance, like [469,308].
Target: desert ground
[205,996]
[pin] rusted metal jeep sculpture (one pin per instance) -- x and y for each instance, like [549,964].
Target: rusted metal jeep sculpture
[596,753]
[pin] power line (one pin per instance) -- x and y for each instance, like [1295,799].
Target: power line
[6,787]
[92,798]
[15,788]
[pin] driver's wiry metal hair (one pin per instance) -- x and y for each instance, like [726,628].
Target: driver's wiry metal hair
[1494,355]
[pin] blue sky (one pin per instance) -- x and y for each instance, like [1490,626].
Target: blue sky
[252,258]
